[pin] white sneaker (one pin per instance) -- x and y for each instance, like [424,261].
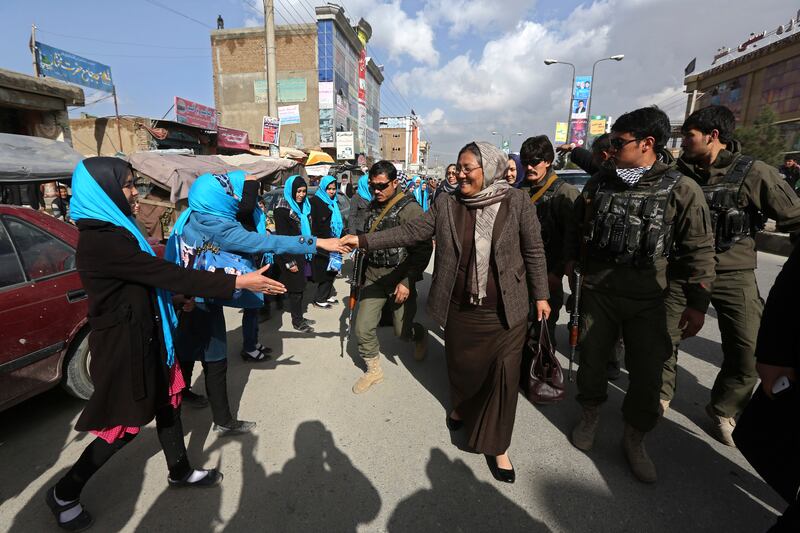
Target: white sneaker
[323,305]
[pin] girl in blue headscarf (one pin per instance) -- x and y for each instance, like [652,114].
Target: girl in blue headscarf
[326,221]
[211,220]
[293,217]
[134,372]
[359,205]
[515,174]
[421,192]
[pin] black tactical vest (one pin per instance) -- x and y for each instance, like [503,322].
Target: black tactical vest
[629,226]
[729,222]
[389,257]
[545,214]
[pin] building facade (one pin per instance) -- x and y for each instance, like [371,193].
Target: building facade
[321,88]
[400,142]
[763,71]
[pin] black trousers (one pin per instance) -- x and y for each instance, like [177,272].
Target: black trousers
[768,436]
[324,290]
[296,307]
[216,378]
[98,452]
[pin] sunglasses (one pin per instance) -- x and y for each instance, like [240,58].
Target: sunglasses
[379,186]
[618,143]
[531,162]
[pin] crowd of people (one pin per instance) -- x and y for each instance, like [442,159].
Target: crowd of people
[655,240]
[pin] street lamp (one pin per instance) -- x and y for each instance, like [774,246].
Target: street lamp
[549,62]
[618,57]
[503,138]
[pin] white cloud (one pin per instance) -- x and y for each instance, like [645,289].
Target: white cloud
[476,15]
[433,117]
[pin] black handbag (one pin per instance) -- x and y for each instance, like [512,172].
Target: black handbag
[541,378]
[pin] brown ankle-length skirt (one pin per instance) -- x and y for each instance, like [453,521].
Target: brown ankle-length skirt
[483,366]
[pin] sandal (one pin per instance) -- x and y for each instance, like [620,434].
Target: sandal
[261,356]
[83,521]
[212,478]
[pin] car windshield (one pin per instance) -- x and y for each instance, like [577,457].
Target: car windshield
[578,179]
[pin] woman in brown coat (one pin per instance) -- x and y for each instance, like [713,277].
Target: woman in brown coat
[489,266]
[136,377]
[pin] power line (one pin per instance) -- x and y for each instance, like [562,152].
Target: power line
[179,13]
[127,43]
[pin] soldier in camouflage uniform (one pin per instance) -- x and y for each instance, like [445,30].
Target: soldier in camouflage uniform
[741,193]
[636,215]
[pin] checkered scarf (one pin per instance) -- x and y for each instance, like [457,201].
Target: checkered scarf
[631,176]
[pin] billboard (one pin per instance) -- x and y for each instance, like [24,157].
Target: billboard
[62,65]
[345,145]
[289,114]
[271,130]
[561,132]
[578,131]
[581,93]
[597,125]
[230,138]
[194,114]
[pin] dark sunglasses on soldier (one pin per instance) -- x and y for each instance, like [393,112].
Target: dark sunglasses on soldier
[379,186]
[618,143]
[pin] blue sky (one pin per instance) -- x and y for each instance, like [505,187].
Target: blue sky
[466,66]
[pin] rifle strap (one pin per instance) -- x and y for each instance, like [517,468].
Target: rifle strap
[544,188]
[397,197]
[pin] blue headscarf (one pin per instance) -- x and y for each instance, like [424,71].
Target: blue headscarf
[216,195]
[520,170]
[91,201]
[420,194]
[363,188]
[337,224]
[289,190]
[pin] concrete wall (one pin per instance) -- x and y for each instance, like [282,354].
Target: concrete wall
[239,61]
[99,137]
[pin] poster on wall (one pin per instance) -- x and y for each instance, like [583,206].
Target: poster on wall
[292,90]
[289,114]
[345,148]
[326,95]
[194,114]
[260,92]
[326,138]
[230,138]
[271,130]
[561,133]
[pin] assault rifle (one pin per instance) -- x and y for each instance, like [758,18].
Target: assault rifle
[355,286]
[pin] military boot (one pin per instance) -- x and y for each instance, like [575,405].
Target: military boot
[641,465]
[372,376]
[583,434]
[723,427]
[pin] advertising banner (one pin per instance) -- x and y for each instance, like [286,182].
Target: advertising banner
[326,138]
[597,125]
[292,90]
[260,92]
[578,131]
[234,139]
[271,130]
[326,95]
[289,114]
[62,65]
[580,96]
[345,148]
[561,133]
[194,114]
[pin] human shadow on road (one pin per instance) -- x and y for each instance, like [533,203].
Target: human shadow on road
[458,501]
[317,490]
[34,435]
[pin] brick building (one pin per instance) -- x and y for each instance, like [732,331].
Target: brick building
[318,71]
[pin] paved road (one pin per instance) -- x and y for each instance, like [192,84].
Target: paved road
[326,460]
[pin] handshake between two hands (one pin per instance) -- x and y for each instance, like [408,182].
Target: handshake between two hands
[258,281]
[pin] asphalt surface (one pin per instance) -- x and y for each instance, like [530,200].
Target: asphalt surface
[323,459]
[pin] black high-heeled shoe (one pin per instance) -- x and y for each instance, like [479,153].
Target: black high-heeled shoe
[500,474]
[453,424]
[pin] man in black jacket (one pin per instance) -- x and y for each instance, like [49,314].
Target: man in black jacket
[589,161]
[767,434]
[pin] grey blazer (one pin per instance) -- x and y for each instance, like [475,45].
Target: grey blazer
[516,247]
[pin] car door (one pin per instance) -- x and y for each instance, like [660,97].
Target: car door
[41,303]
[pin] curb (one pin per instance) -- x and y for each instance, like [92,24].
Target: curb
[774,243]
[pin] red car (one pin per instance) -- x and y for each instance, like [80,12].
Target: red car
[43,326]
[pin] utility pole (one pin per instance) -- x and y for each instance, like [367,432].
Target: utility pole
[33,51]
[272,76]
